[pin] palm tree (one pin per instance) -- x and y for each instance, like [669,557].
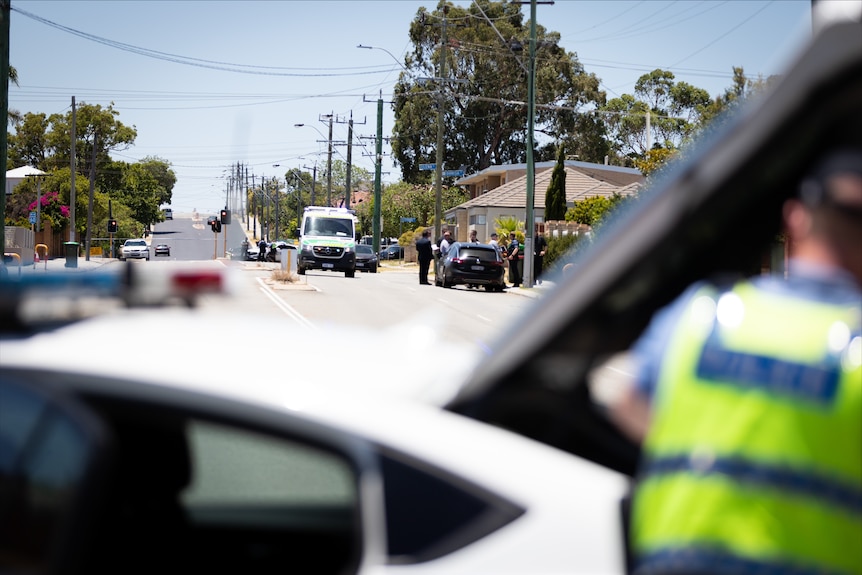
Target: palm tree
[14,116]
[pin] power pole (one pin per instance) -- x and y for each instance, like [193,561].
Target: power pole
[313,182]
[348,183]
[438,174]
[329,165]
[90,200]
[378,166]
[530,231]
[5,9]
[72,176]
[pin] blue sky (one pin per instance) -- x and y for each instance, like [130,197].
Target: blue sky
[304,64]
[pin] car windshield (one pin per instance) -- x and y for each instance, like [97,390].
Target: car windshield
[363,249]
[136,243]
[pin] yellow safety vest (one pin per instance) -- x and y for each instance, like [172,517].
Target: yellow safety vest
[754,459]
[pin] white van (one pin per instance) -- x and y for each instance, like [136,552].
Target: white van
[327,240]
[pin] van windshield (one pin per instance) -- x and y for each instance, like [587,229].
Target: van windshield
[333,227]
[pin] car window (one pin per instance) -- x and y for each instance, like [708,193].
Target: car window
[454,513]
[234,468]
[44,457]
[363,249]
[214,495]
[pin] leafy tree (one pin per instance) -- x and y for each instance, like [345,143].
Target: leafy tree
[589,211]
[741,88]
[676,110]
[555,197]
[484,115]
[413,201]
[28,146]
[161,170]
[654,160]
[94,125]
[142,193]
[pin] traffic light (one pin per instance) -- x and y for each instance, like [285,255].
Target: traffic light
[225,217]
[112,226]
[216,226]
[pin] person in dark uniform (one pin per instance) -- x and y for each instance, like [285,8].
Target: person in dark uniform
[425,255]
[540,246]
[512,254]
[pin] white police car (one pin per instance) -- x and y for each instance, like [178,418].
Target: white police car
[207,465]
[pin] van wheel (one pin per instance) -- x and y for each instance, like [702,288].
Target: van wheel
[350,273]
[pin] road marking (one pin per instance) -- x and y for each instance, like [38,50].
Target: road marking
[482,317]
[286,308]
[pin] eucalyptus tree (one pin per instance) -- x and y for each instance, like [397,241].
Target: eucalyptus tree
[676,111]
[484,90]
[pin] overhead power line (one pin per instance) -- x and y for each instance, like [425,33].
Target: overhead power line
[202,63]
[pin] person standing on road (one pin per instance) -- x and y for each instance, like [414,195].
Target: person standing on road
[512,254]
[748,398]
[540,246]
[261,246]
[425,255]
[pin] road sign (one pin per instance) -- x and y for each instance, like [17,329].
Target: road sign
[453,173]
[32,217]
[427,167]
[405,220]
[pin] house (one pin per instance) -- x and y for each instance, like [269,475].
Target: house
[509,199]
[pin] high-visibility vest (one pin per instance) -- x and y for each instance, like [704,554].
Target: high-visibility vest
[754,459]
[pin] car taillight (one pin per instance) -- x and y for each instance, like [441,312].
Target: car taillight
[197,282]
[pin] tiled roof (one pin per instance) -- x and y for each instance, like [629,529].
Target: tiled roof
[579,186]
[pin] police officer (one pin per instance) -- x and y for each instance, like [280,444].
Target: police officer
[749,400]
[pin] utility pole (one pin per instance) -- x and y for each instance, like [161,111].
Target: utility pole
[90,200]
[329,165]
[72,176]
[5,9]
[530,231]
[313,181]
[378,160]
[348,183]
[438,174]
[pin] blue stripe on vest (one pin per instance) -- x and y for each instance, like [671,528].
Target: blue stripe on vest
[814,384]
[702,560]
[825,489]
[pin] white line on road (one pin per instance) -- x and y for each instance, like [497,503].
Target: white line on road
[286,308]
[482,317]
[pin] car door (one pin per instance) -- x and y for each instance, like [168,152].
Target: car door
[101,475]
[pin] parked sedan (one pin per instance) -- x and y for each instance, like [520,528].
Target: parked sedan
[366,259]
[472,265]
[163,250]
[392,253]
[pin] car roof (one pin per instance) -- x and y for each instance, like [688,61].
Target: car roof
[710,213]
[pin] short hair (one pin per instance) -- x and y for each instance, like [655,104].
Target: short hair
[494,235]
[815,190]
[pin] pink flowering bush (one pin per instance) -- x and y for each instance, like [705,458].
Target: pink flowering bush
[52,210]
